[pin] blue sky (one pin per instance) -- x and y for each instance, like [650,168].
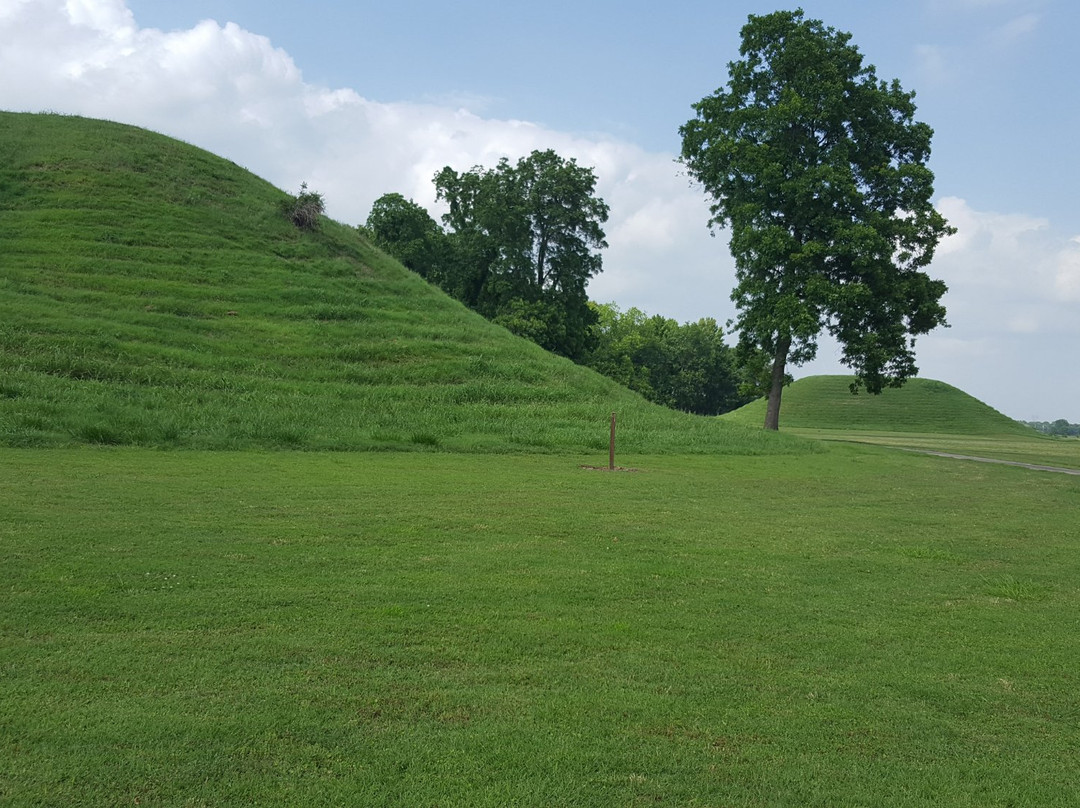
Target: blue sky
[997,79]
[359,99]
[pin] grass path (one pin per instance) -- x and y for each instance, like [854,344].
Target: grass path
[1030,466]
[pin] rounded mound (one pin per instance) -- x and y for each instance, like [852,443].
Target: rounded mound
[920,406]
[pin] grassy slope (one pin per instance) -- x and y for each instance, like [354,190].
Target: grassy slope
[921,405]
[152,294]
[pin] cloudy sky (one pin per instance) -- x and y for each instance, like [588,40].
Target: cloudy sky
[361,98]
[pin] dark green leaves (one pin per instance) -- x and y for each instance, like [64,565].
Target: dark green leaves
[407,231]
[819,170]
[686,367]
[521,245]
[528,236]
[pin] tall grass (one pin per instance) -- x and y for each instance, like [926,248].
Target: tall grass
[152,294]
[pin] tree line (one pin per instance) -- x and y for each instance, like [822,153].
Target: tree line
[817,169]
[1059,428]
[519,244]
[686,367]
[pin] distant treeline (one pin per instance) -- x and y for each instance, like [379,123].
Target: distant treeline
[1059,428]
[686,367]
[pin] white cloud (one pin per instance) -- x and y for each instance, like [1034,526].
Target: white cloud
[1016,29]
[232,92]
[1007,260]
[109,16]
[1067,277]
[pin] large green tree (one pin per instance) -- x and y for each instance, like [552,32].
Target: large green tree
[526,240]
[820,172]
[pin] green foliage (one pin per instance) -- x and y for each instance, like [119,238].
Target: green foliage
[755,371]
[541,321]
[686,367]
[406,231]
[305,210]
[524,245]
[520,249]
[1059,428]
[819,170]
[153,294]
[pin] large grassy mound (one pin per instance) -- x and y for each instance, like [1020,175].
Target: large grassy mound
[920,406]
[154,294]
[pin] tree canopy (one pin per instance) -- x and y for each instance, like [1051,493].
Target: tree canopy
[406,230]
[526,239]
[686,367]
[820,172]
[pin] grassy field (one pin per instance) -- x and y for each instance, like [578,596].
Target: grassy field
[852,627]
[431,602]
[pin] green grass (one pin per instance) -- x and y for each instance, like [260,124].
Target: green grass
[750,619]
[853,627]
[920,406]
[152,294]
[923,414]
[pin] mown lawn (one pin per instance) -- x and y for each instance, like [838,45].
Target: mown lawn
[854,627]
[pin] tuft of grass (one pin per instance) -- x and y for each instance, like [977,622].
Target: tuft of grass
[1009,587]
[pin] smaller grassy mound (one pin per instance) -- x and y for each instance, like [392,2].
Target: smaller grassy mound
[920,406]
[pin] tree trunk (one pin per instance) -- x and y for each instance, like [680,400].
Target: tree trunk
[776,387]
[541,261]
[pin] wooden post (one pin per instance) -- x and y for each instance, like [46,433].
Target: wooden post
[611,445]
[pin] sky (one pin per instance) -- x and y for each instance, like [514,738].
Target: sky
[361,98]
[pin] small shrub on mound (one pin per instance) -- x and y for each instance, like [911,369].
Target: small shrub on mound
[305,209]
